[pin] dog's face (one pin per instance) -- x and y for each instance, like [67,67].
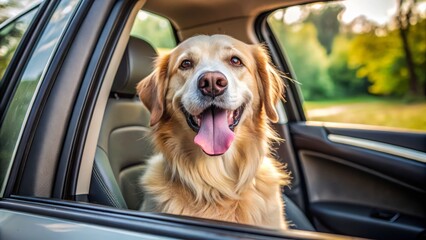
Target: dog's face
[212,84]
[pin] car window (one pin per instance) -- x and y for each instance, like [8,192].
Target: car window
[29,83]
[358,61]
[154,29]
[12,30]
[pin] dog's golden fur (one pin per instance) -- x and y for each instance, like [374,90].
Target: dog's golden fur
[244,184]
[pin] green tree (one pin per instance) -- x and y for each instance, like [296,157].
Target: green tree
[383,61]
[307,57]
[403,18]
[342,75]
[327,24]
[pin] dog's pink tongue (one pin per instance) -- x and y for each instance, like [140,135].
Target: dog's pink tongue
[214,136]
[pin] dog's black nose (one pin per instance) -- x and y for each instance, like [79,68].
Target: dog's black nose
[212,83]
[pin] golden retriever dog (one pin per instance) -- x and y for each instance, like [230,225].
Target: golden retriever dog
[211,101]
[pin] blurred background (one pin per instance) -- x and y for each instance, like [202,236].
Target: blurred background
[358,61]
[355,61]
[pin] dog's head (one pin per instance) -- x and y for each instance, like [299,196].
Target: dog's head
[212,85]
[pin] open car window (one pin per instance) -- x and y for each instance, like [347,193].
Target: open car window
[357,61]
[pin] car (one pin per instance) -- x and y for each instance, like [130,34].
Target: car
[74,137]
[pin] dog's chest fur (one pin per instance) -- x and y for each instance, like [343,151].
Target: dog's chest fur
[256,202]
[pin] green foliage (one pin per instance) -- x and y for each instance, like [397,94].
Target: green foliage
[308,57]
[372,55]
[343,76]
[327,23]
[417,42]
[381,59]
[332,59]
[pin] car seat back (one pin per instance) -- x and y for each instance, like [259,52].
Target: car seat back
[124,143]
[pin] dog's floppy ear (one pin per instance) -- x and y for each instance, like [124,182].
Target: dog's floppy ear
[152,89]
[271,85]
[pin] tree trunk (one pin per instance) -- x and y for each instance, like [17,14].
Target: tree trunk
[403,20]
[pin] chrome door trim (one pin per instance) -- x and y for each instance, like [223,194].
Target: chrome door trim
[379,147]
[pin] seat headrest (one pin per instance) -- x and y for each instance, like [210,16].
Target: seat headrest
[136,64]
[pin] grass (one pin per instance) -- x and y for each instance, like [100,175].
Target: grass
[371,111]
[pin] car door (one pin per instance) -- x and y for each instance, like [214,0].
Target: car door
[365,180]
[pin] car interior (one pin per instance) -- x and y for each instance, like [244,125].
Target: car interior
[124,143]
[347,179]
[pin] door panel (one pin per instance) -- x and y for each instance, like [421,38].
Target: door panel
[357,191]
[333,179]
[373,223]
[408,172]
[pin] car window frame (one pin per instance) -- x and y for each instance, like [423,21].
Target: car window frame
[46,10]
[14,72]
[293,96]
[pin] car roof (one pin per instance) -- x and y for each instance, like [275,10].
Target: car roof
[191,17]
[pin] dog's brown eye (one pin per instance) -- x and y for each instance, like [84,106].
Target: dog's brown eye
[236,61]
[186,64]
